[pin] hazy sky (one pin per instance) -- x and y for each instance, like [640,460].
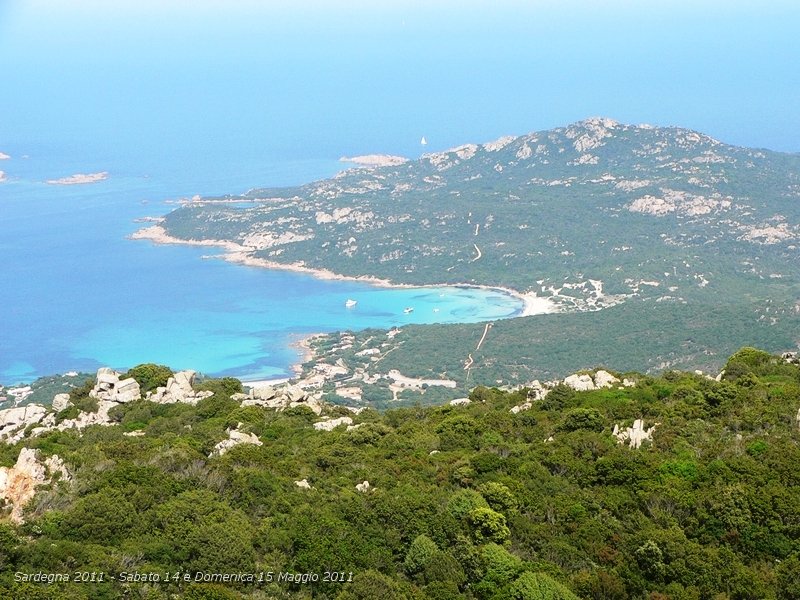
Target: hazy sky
[349,77]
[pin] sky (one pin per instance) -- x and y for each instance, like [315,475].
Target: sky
[320,79]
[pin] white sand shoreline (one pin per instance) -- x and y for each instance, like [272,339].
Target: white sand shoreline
[240,254]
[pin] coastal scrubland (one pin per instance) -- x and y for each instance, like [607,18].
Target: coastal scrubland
[506,496]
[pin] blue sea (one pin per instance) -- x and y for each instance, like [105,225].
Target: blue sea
[79,295]
[174,99]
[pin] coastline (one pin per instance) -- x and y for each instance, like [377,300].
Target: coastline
[302,343]
[239,254]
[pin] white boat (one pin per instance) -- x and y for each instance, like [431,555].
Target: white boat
[423,141]
[350,303]
[408,309]
[435,310]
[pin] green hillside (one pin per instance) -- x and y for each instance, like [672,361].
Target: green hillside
[464,502]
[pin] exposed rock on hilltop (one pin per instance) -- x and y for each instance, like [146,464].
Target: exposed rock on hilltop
[110,389]
[13,421]
[179,388]
[281,398]
[235,438]
[110,392]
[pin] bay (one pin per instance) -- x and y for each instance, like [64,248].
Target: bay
[79,295]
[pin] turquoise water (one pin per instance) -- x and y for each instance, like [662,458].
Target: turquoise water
[175,99]
[78,294]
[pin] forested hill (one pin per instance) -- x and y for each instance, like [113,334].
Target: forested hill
[678,487]
[580,213]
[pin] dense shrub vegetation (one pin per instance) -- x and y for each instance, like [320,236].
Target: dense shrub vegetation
[467,502]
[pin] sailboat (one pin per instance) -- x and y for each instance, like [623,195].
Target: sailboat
[408,310]
[423,141]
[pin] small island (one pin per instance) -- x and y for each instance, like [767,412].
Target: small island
[79,178]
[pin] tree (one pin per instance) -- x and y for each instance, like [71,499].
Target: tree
[540,586]
[149,376]
[444,568]
[499,497]
[583,418]
[788,576]
[419,553]
[465,501]
[488,525]
[371,585]
[650,560]
[558,397]
[500,565]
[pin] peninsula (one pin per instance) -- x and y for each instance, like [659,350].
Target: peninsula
[652,248]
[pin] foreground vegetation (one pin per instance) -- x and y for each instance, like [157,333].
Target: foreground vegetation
[465,502]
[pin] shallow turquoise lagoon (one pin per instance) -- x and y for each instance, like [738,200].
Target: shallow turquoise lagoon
[78,294]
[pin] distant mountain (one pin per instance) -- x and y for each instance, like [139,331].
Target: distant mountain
[592,215]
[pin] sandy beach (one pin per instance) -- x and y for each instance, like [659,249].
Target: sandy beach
[240,254]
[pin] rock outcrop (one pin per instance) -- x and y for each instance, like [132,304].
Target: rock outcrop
[331,424]
[460,402]
[235,438]
[281,398]
[303,484]
[109,387]
[18,483]
[179,388]
[579,383]
[60,402]
[536,391]
[634,435]
[14,421]
[364,487]
[602,379]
